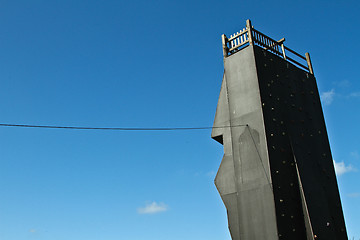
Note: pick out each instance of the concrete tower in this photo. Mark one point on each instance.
(276, 178)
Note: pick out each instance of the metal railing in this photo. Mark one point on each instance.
(251, 36)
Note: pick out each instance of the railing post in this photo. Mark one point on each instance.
(283, 50)
(224, 45)
(281, 41)
(308, 60)
(249, 28)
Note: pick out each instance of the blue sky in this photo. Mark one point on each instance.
(147, 64)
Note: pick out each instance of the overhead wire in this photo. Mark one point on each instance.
(115, 128)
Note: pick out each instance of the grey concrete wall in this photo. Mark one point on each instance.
(244, 180)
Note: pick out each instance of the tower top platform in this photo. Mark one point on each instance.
(250, 36)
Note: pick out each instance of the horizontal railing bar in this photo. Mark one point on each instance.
(292, 60)
(235, 47)
(292, 51)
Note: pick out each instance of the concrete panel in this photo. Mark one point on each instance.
(245, 108)
(245, 165)
(254, 220)
(295, 126)
(222, 114)
(225, 177)
(231, 204)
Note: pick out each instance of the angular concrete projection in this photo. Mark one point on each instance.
(276, 178)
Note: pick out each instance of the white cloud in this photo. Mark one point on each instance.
(354, 195)
(211, 174)
(152, 208)
(328, 97)
(355, 155)
(344, 84)
(355, 94)
(341, 168)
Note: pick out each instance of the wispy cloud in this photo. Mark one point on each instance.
(197, 174)
(211, 173)
(354, 94)
(354, 195)
(32, 230)
(355, 154)
(152, 208)
(343, 83)
(341, 168)
(328, 97)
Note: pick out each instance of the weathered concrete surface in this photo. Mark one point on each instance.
(243, 179)
(276, 178)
